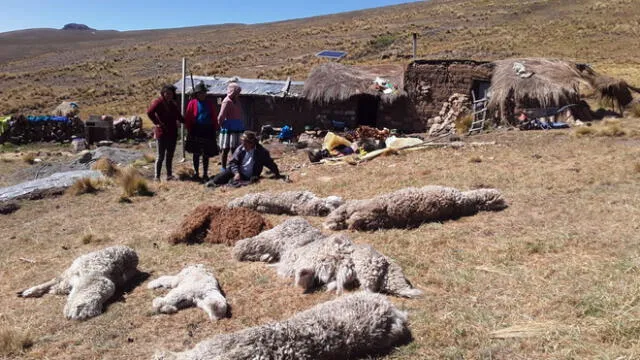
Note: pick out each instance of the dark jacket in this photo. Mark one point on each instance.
(262, 159)
(166, 115)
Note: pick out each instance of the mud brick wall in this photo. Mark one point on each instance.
(430, 83)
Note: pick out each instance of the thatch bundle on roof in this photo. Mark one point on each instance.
(66, 108)
(549, 83)
(334, 82)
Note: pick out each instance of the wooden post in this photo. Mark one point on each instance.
(415, 46)
(182, 103)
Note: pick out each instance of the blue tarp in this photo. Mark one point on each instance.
(48, 118)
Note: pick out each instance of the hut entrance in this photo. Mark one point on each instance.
(480, 88)
(367, 111)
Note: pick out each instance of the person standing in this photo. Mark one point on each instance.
(201, 121)
(230, 122)
(165, 115)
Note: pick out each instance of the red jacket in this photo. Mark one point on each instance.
(192, 113)
(165, 115)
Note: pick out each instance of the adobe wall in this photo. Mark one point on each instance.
(430, 83)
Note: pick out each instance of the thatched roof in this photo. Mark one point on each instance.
(333, 82)
(538, 82)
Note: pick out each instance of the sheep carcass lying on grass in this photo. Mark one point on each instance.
(411, 207)
(218, 225)
(349, 327)
(340, 264)
(288, 202)
(269, 245)
(90, 281)
(193, 286)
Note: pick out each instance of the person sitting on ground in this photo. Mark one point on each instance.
(165, 115)
(201, 120)
(247, 162)
(230, 122)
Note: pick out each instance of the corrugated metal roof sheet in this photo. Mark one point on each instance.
(250, 87)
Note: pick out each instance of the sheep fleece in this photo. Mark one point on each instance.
(411, 207)
(193, 286)
(288, 202)
(352, 326)
(90, 281)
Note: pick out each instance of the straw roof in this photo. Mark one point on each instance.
(538, 82)
(334, 82)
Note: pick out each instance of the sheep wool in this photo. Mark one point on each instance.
(90, 281)
(288, 202)
(353, 326)
(193, 286)
(269, 245)
(411, 207)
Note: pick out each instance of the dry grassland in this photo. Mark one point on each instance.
(554, 276)
(119, 73)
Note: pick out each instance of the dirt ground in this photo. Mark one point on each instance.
(554, 276)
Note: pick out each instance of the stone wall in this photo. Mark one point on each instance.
(430, 84)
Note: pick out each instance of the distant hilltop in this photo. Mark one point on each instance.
(74, 26)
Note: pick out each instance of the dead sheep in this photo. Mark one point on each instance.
(90, 281)
(193, 286)
(218, 225)
(288, 202)
(353, 326)
(339, 264)
(269, 245)
(411, 207)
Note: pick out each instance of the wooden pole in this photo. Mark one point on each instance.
(415, 46)
(182, 103)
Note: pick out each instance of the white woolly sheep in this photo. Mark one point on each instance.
(411, 207)
(269, 245)
(358, 325)
(340, 264)
(90, 281)
(193, 286)
(288, 202)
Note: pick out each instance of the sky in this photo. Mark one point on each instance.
(160, 14)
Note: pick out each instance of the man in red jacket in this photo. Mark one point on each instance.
(165, 115)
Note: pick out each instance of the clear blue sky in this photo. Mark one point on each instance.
(157, 14)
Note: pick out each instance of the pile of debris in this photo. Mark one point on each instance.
(128, 128)
(445, 122)
(25, 129)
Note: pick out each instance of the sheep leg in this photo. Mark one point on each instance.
(39, 290)
(88, 296)
(166, 282)
(176, 299)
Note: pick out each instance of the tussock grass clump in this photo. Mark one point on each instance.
(475, 159)
(29, 158)
(91, 238)
(636, 168)
(149, 158)
(185, 173)
(107, 167)
(463, 123)
(85, 186)
(635, 110)
(133, 184)
(13, 342)
(607, 128)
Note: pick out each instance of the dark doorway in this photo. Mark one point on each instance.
(367, 111)
(480, 88)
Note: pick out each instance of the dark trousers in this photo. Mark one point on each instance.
(166, 148)
(205, 164)
(224, 177)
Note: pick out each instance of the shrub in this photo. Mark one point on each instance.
(107, 167)
(85, 185)
(133, 184)
(29, 158)
(584, 131)
(463, 123)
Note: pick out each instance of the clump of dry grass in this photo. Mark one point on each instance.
(91, 238)
(475, 159)
(29, 158)
(185, 173)
(13, 342)
(106, 166)
(133, 184)
(463, 123)
(85, 185)
(607, 128)
(149, 158)
(635, 110)
(636, 168)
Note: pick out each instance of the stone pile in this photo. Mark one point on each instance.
(128, 128)
(445, 122)
(23, 130)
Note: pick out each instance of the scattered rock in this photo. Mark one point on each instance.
(8, 207)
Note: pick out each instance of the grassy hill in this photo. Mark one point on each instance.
(119, 72)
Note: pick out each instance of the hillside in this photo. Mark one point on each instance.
(119, 72)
